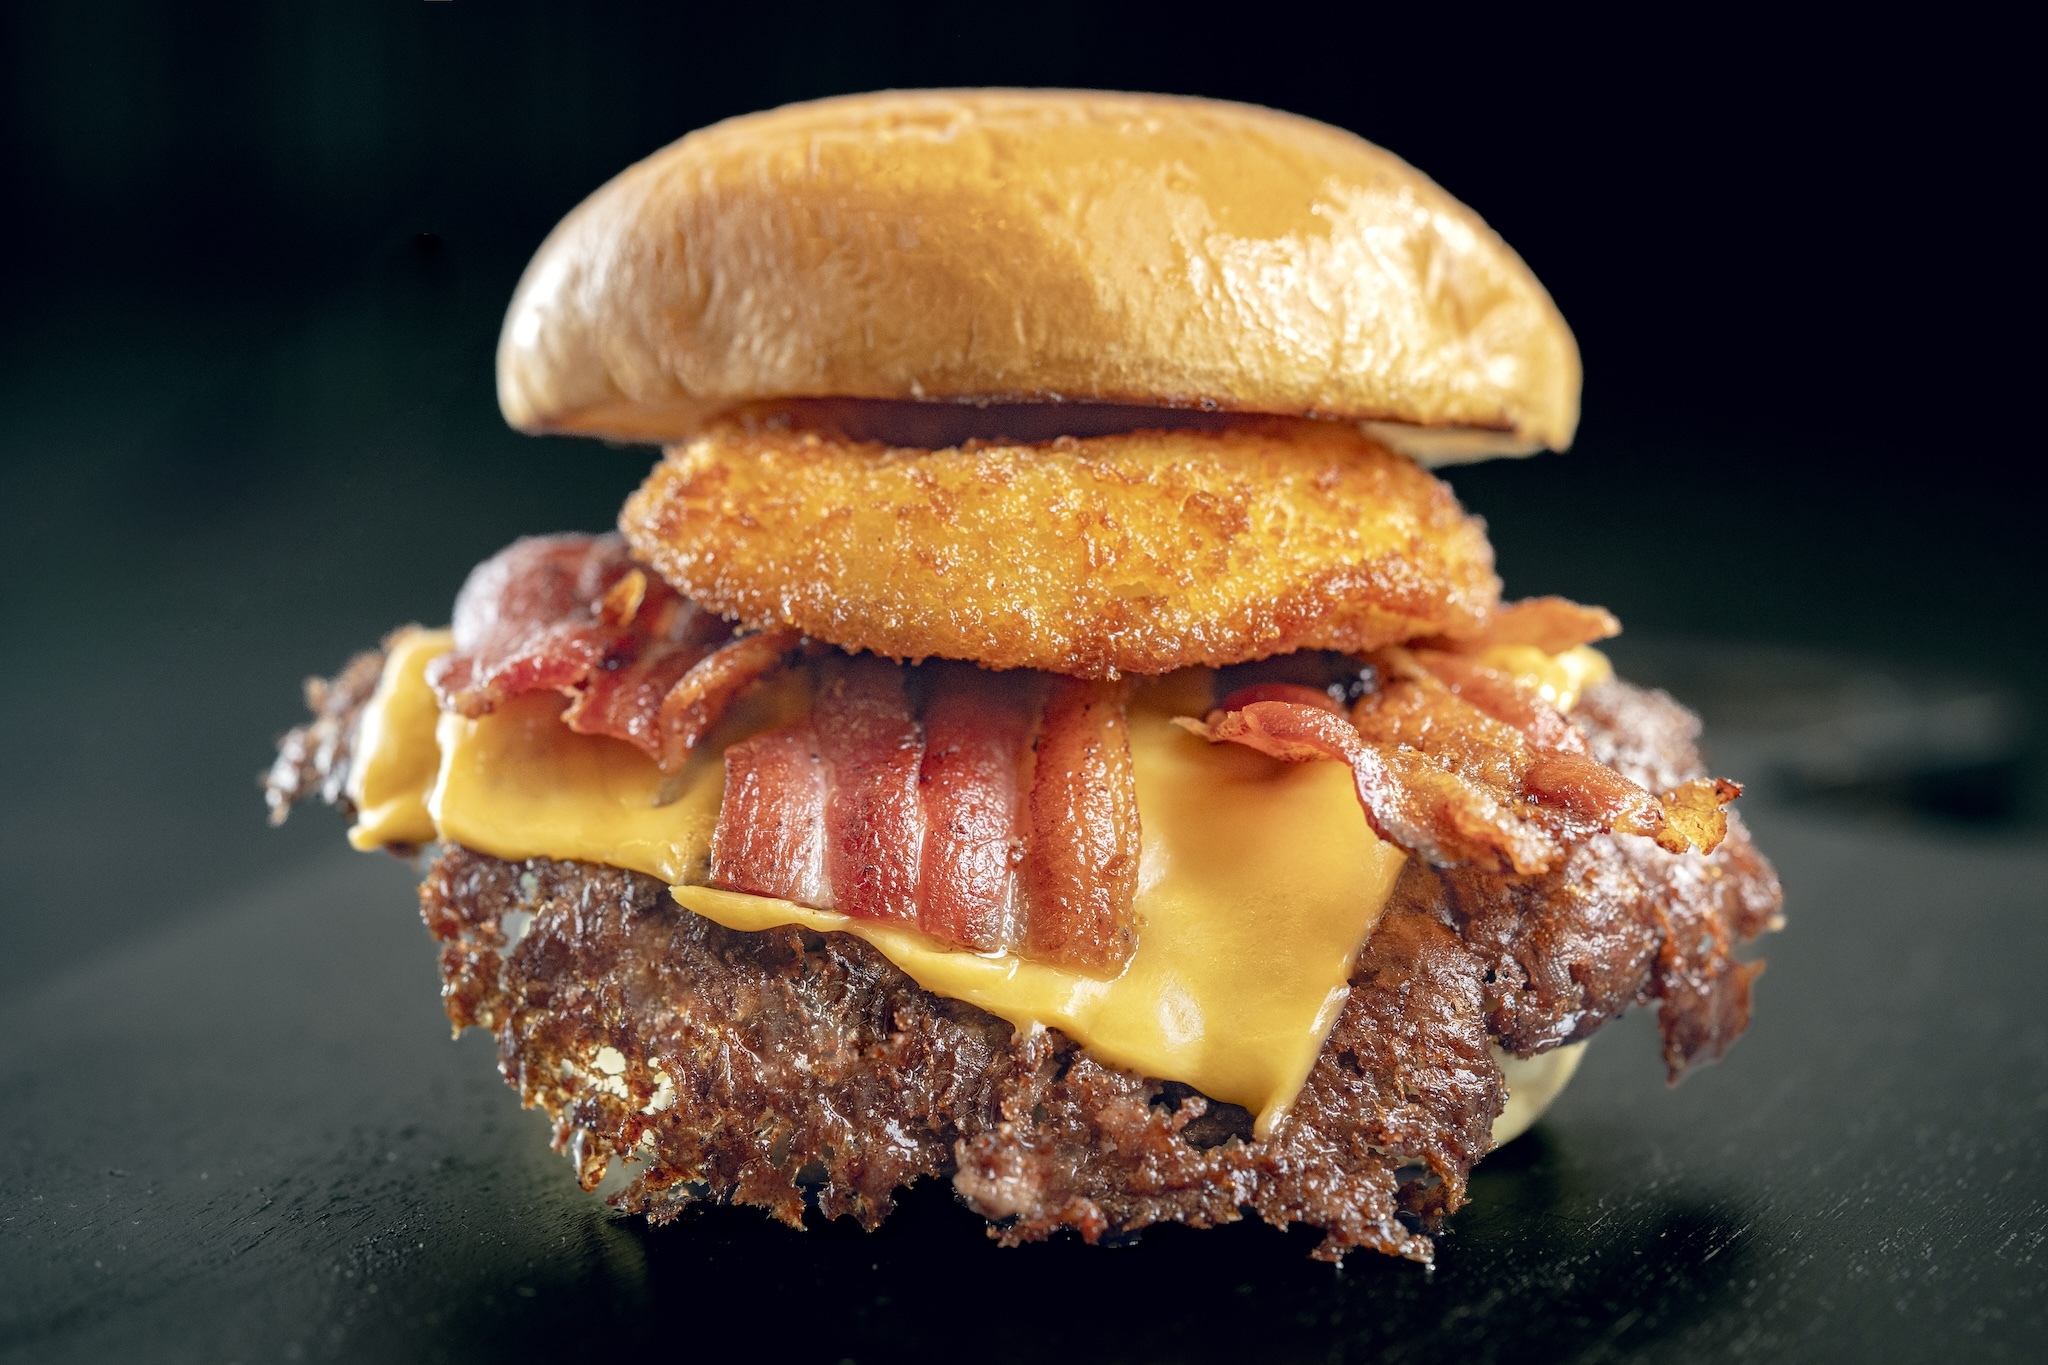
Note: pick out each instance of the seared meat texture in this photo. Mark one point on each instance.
(312, 759)
(784, 1067)
(760, 1068)
(756, 1067)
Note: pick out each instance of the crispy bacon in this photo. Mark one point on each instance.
(874, 822)
(1487, 728)
(976, 756)
(1551, 624)
(945, 814)
(1502, 697)
(1464, 765)
(574, 614)
(1299, 693)
(528, 619)
(622, 697)
(1409, 801)
(770, 838)
(1082, 868)
(698, 699)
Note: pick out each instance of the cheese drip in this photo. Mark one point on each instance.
(1258, 882)
(396, 756)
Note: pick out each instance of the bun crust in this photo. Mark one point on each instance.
(1036, 246)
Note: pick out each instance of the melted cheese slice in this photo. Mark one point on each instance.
(396, 757)
(1561, 678)
(1258, 880)
(518, 783)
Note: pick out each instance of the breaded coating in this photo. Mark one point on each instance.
(1136, 553)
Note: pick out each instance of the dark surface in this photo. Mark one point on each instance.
(246, 1138)
(246, 425)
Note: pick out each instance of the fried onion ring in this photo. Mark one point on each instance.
(1135, 553)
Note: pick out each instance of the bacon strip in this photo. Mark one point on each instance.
(1298, 693)
(1502, 697)
(952, 820)
(524, 621)
(1082, 868)
(1551, 624)
(945, 820)
(574, 614)
(622, 696)
(977, 749)
(873, 749)
(1463, 765)
(770, 838)
(1491, 730)
(696, 702)
(1409, 801)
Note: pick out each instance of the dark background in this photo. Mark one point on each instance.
(259, 253)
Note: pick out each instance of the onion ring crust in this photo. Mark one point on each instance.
(1135, 553)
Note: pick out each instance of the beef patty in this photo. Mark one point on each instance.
(783, 1067)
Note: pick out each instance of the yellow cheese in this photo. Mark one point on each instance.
(1258, 880)
(517, 783)
(1561, 678)
(395, 753)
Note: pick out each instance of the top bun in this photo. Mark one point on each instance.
(1006, 246)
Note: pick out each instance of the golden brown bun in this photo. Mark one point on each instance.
(1137, 553)
(1039, 246)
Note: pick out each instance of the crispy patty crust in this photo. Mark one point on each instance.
(1136, 553)
(787, 1067)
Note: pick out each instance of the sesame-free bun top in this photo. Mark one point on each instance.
(1028, 246)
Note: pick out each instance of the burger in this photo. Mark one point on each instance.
(1040, 726)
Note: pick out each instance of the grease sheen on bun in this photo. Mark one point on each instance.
(1036, 246)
